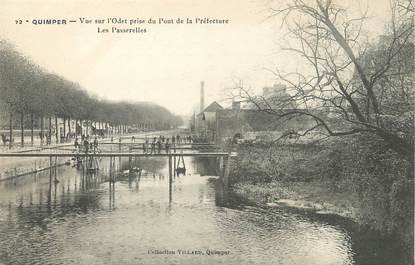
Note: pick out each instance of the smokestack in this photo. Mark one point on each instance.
(202, 96)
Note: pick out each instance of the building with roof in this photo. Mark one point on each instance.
(215, 123)
(205, 122)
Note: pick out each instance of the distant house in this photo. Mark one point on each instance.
(249, 123)
(205, 121)
(275, 96)
(216, 123)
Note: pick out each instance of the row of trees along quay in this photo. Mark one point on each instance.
(34, 98)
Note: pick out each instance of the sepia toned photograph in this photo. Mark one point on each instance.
(237, 132)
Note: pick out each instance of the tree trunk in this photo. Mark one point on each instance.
(64, 129)
(41, 130)
(80, 126)
(87, 128)
(56, 129)
(22, 129)
(31, 128)
(49, 138)
(69, 126)
(76, 128)
(11, 131)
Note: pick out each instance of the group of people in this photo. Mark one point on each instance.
(158, 143)
(163, 142)
(48, 137)
(187, 139)
(86, 144)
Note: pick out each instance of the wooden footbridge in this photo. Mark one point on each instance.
(87, 158)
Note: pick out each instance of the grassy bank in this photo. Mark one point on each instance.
(306, 195)
(357, 178)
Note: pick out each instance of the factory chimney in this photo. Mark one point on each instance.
(202, 96)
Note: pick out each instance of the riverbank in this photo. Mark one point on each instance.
(355, 178)
(314, 201)
(313, 196)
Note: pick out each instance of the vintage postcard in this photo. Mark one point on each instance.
(207, 132)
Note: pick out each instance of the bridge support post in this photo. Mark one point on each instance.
(170, 178)
(111, 170)
(55, 169)
(50, 179)
(119, 151)
(111, 183)
(174, 166)
(110, 180)
(226, 173)
(221, 165)
(129, 160)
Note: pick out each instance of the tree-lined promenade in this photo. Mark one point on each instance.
(53, 108)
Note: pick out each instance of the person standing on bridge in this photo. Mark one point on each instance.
(48, 138)
(153, 146)
(173, 143)
(95, 144)
(4, 138)
(167, 146)
(145, 146)
(86, 145)
(76, 144)
(159, 146)
(41, 136)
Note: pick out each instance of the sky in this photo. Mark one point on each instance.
(166, 64)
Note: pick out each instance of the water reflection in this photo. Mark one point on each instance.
(89, 219)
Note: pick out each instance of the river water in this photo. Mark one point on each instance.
(89, 221)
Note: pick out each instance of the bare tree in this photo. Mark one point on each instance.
(351, 85)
